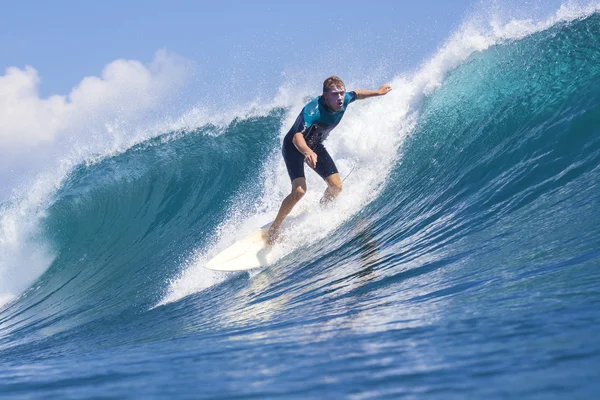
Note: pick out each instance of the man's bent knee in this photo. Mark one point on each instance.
(334, 184)
(298, 193)
(298, 188)
(335, 187)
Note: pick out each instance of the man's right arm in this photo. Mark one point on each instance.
(309, 155)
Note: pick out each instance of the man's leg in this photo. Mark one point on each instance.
(334, 187)
(298, 191)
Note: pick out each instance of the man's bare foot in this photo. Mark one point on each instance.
(271, 236)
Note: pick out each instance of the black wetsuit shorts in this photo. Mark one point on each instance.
(294, 161)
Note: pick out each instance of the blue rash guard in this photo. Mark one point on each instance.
(315, 122)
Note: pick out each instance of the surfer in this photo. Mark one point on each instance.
(304, 144)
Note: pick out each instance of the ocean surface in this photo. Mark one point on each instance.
(462, 259)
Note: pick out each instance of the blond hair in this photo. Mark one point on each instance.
(331, 82)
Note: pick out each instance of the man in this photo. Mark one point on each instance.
(304, 143)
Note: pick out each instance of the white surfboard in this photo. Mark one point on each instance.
(249, 252)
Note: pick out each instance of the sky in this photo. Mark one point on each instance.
(249, 43)
(80, 68)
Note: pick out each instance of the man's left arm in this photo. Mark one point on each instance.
(364, 94)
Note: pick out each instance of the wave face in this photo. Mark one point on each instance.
(469, 268)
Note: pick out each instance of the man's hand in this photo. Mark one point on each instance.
(384, 89)
(311, 159)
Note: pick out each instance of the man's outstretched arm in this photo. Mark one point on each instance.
(363, 94)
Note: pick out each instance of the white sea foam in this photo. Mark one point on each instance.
(24, 254)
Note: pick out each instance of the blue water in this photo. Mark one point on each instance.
(474, 271)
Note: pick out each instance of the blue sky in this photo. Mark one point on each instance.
(250, 43)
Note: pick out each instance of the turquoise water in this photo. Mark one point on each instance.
(472, 270)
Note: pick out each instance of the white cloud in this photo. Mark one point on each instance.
(24, 117)
(124, 90)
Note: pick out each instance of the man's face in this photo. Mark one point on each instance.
(334, 97)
